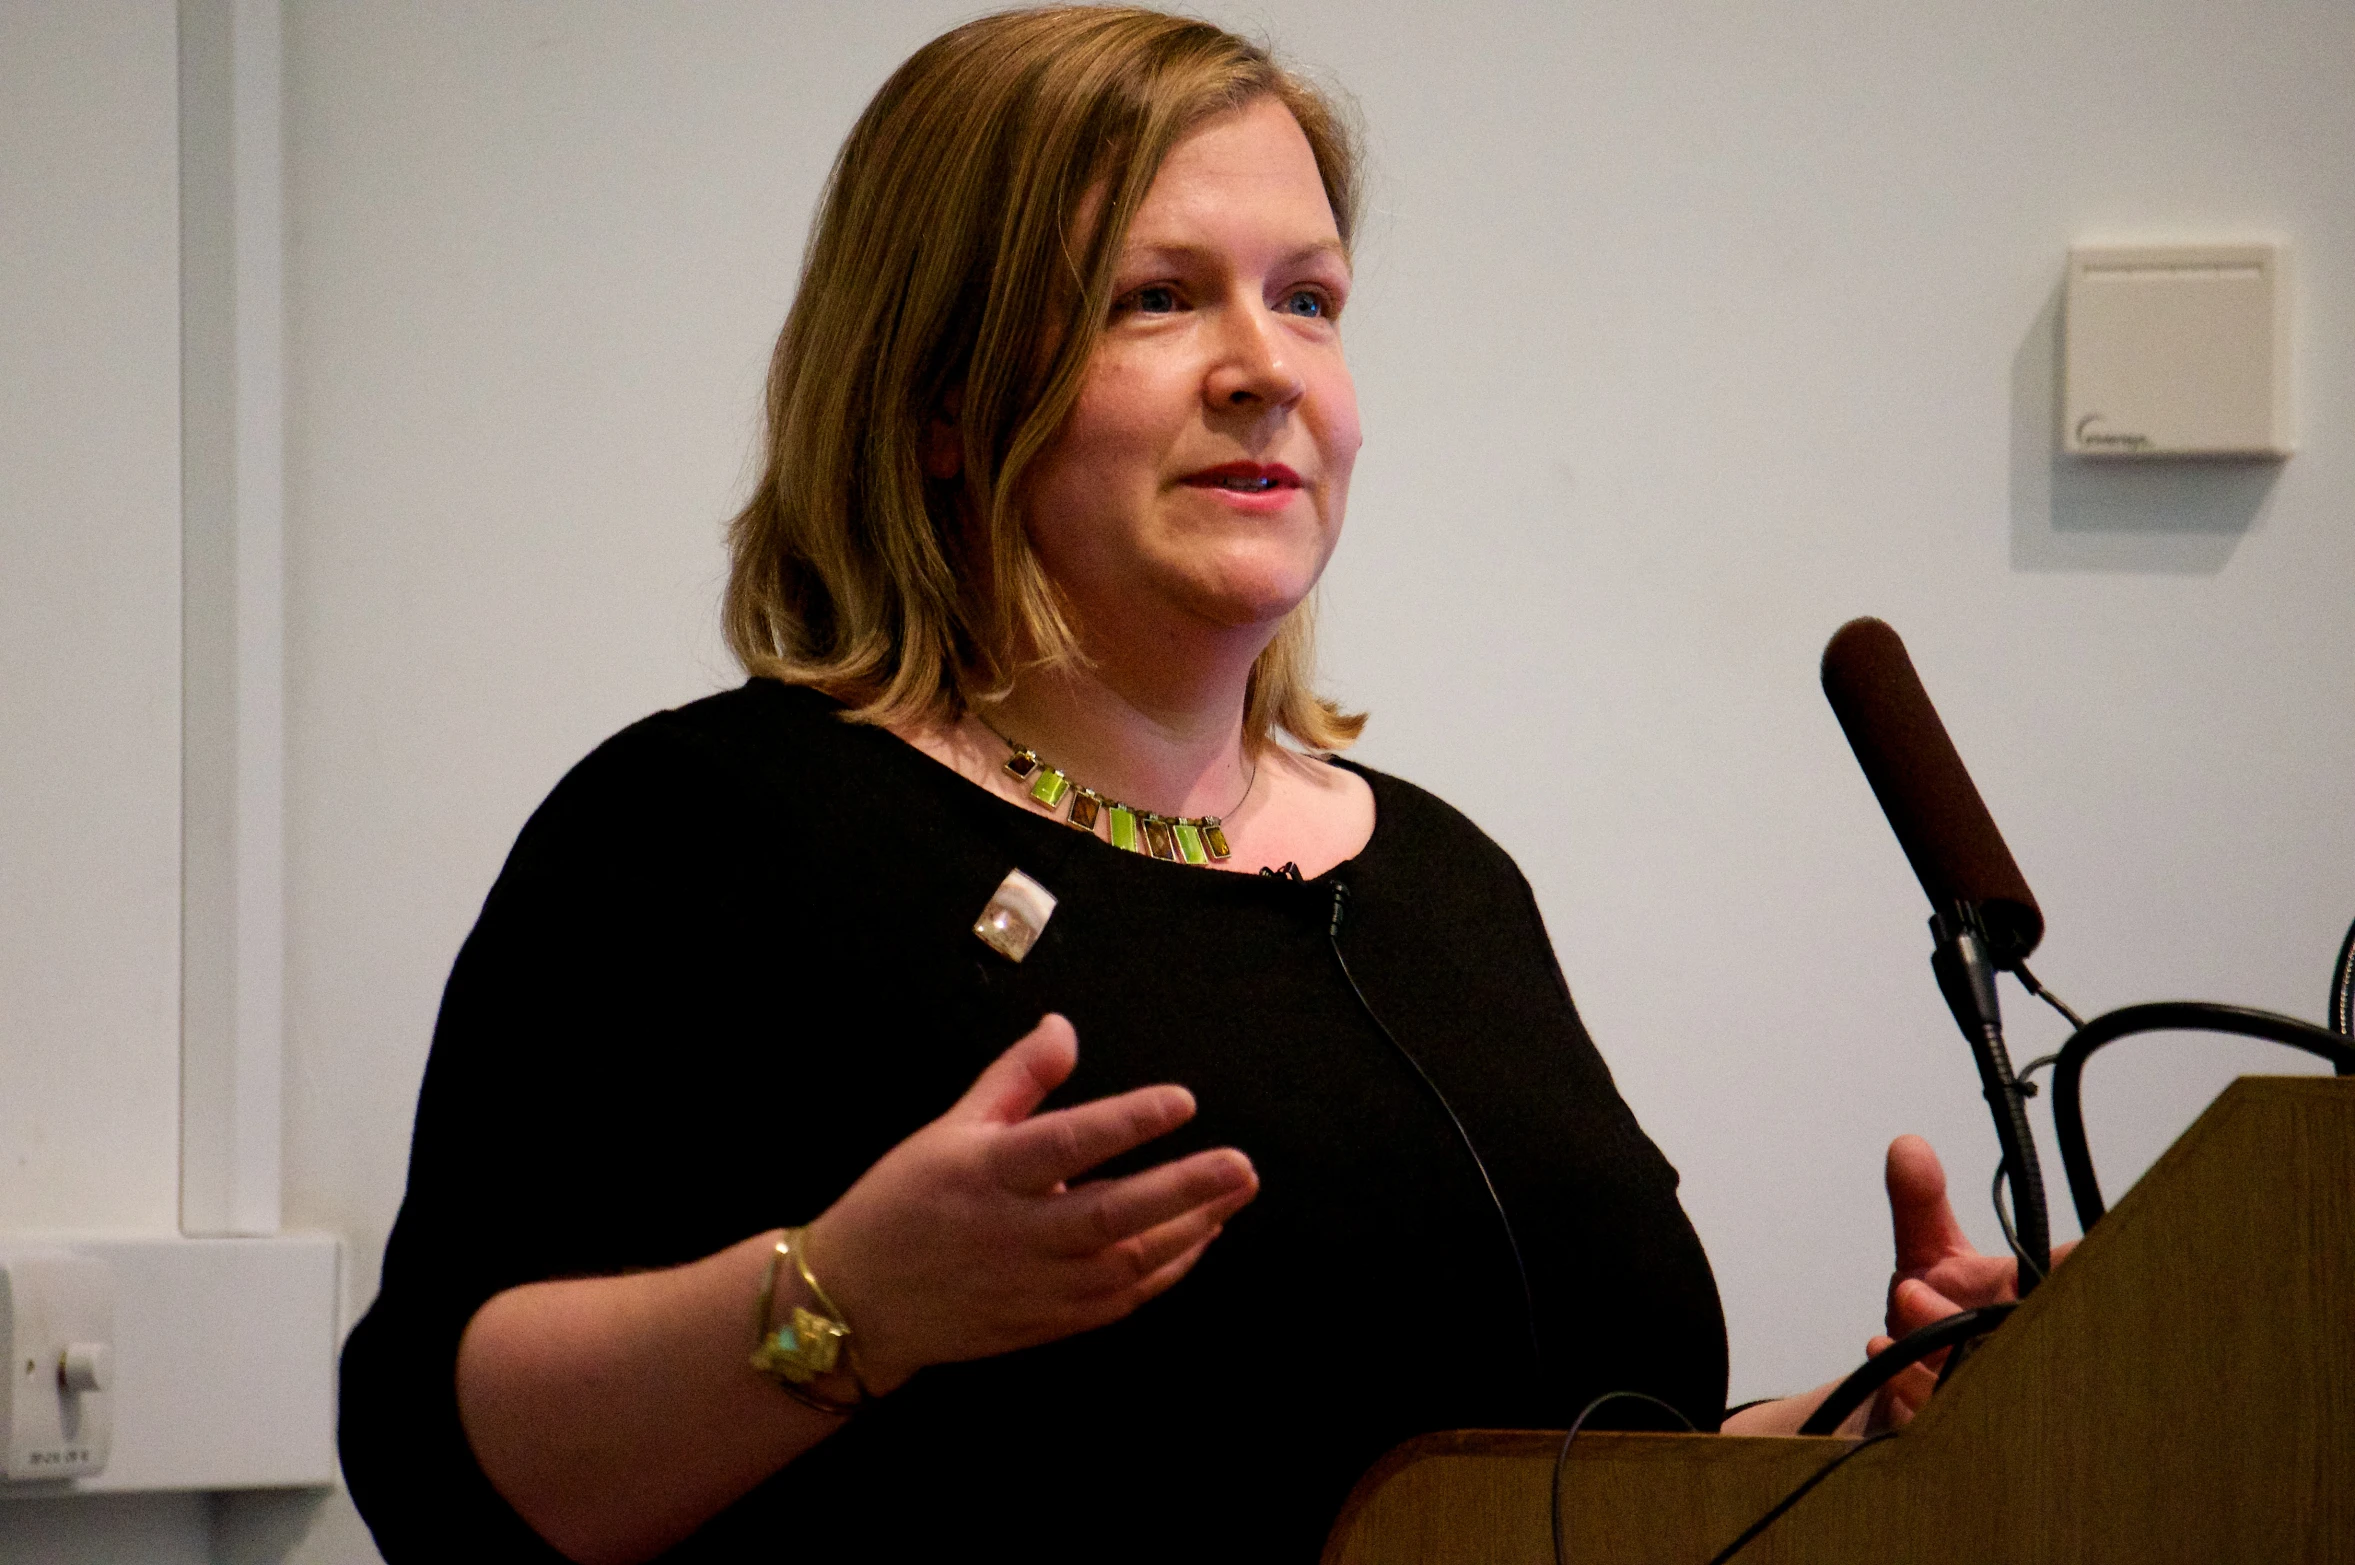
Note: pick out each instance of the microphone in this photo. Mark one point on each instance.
(1940, 820)
(1983, 916)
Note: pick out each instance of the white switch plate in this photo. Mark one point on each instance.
(2176, 351)
(224, 1361)
(54, 1304)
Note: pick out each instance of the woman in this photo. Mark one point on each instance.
(1061, 436)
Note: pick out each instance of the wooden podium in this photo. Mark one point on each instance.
(2182, 1389)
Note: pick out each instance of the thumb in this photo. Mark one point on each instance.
(1921, 1220)
(1014, 1083)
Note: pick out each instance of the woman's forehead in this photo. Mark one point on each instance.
(1249, 165)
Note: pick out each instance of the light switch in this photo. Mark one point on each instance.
(57, 1325)
(2176, 351)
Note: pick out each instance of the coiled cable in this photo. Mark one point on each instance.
(2068, 1113)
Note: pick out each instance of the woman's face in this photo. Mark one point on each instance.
(1204, 468)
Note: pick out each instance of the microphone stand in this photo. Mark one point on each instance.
(1966, 970)
(1966, 977)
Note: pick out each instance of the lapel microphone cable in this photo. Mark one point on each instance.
(1504, 1221)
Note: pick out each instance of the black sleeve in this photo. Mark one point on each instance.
(549, 1140)
(1457, 959)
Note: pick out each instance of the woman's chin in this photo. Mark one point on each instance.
(1246, 587)
(1257, 606)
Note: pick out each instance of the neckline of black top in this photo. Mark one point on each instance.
(932, 775)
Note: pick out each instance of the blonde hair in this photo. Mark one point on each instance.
(944, 260)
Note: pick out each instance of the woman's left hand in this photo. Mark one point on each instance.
(1938, 1273)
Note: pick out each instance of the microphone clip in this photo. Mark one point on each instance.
(1965, 969)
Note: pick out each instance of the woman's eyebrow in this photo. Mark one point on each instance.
(1321, 249)
(1180, 253)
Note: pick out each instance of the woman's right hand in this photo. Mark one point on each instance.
(970, 1238)
(618, 1414)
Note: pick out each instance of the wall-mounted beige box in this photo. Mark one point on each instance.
(2176, 351)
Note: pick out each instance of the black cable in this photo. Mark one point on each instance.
(1955, 1358)
(1562, 1457)
(2003, 1216)
(1512, 1241)
(2025, 1074)
(2028, 982)
(2342, 988)
(1795, 1496)
(2068, 1112)
(1956, 1331)
(1901, 1355)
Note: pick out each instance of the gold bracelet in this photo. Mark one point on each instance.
(808, 1344)
(809, 1280)
(814, 1402)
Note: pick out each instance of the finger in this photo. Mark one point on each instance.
(1920, 1218)
(1974, 1280)
(1119, 1268)
(1916, 1304)
(1877, 1346)
(1031, 1158)
(1081, 1295)
(1906, 1394)
(1104, 1213)
(1124, 1265)
(1104, 1308)
(1165, 1275)
(1014, 1083)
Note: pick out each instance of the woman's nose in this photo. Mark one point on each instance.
(1253, 368)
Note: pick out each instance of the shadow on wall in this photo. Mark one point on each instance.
(263, 1526)
(2078, 514)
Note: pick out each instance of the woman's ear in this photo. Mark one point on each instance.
(944, 441)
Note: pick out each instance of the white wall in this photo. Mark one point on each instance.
(89, 617)
(90, 668)
(1695, 330)
(1684, 332)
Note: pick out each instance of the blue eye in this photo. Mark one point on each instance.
(1158, 299)
(1307, 303)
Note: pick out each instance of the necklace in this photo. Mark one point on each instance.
(1189, 839)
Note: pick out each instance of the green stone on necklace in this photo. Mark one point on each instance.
(1124, 828)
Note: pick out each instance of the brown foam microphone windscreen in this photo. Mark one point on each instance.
(1932, 805)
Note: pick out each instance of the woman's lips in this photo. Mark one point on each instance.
(1268, 481)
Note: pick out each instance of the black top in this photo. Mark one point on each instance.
(730, 962)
